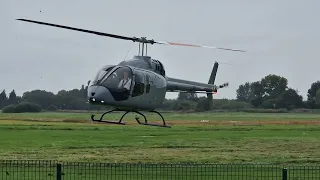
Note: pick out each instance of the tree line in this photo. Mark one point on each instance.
(74, 99)
(271, 92)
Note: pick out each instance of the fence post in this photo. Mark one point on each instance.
(59, 170)
(284, 174)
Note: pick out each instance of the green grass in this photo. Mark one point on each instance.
(231, 142)
(282, 138)
(232, 116)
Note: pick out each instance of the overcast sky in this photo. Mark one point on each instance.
(281, 37)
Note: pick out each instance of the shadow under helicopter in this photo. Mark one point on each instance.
(124, 87)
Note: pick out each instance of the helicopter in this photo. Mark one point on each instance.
(140, 83)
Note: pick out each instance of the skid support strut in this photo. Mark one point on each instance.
(137, 119)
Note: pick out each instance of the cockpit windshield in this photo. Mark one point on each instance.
(118, 80)
(101, 73)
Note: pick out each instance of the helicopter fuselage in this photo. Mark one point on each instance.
(144, 89)
(138, 84)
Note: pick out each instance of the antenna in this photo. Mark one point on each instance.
(126, 55)
(128, 52)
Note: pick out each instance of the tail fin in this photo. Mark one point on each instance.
(211, 81)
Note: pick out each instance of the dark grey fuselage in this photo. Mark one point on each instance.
(148, 88)
(151, 95)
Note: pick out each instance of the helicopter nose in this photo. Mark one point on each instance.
(99, 95)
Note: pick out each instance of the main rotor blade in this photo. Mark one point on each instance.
(195, 45)
(134, 39)
(81, 30)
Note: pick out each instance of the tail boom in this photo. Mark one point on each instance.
(174, 84)
(179, 85)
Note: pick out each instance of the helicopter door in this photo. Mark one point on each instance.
(139, 84)
(147, 83)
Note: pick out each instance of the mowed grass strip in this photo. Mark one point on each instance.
(203, 142)
(172, 118)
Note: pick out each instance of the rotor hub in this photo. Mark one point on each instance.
(143, 40)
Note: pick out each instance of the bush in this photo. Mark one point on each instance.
(184, 105)
(9, 109)
(22, 107)
(265, 110)
(27, 107)
(52, 108)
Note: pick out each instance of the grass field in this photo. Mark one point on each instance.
(202, 138)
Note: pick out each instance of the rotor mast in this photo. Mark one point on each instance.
(143, 45)
(143, 49)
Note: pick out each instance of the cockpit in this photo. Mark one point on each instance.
(117, 80)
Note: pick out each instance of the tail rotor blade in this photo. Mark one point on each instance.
(219, 87)
(223, 85)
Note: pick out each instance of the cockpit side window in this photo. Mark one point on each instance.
(139, 85)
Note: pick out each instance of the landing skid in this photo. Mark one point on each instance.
(126, 112)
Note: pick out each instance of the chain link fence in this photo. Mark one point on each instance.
(53, 170)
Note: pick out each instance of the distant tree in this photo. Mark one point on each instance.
(317, 100)
(312, 93)
(257, 94)
(3, 99)
(167, 104)
(184, 105)
(202, 104)
(187, 96)
(273, 85)
(289, 99)
(13, 98)
(244, 92)
(75, 99)
(313, 90)
(265, 93)
(83, 91)
(41, 97)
